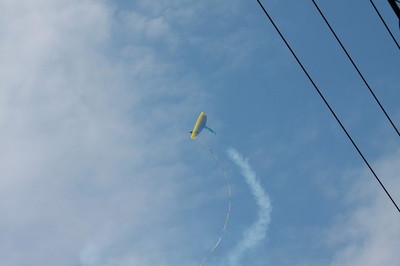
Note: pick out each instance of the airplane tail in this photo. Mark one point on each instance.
(209, 129)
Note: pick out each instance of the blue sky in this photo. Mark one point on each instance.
(98, 97)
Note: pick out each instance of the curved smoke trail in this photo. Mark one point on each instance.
(257, 231)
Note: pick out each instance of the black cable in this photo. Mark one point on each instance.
(327, 105)
(384, 23)
(395, 7)
(355, 66)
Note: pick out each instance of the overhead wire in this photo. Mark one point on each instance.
(356, 68)
(384, 23)
(395, 7)
(327, 104)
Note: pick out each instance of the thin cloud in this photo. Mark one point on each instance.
(81, 152)
(369, 233)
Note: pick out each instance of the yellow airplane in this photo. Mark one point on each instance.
(200, 125)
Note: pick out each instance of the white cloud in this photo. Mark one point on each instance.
(369, 234)
(89, 168)
(142, 27)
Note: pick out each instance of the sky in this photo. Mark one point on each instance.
(97, 99)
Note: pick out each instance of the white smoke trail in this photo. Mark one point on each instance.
(257, 231)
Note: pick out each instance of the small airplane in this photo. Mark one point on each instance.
(200, 125)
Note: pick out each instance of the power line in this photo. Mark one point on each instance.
(395, 7)
(327, 105)
(355, 66)
(384, 23)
